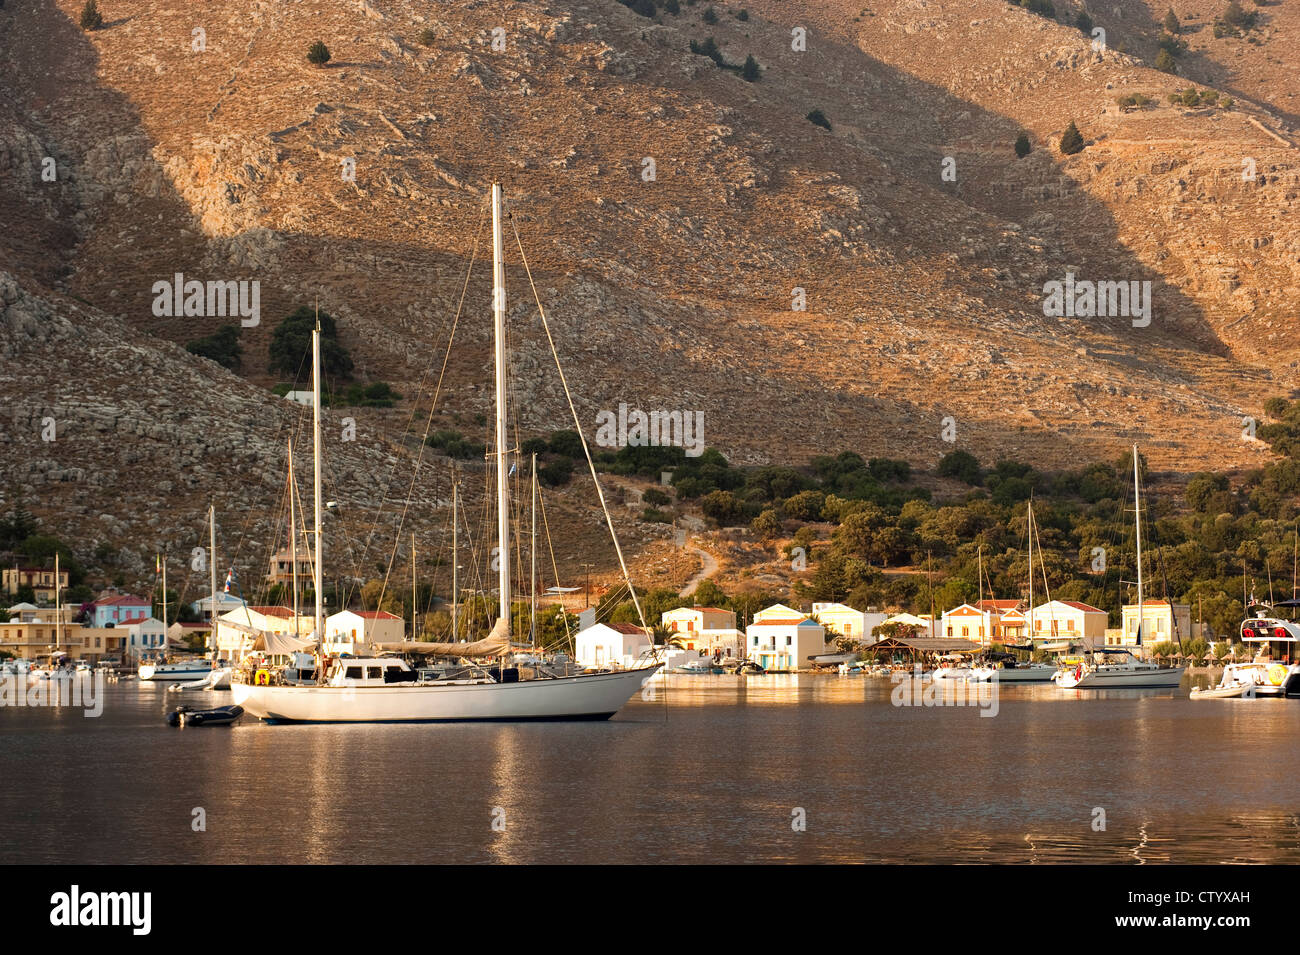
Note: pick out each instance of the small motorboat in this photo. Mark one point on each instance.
(1230, 692)
(220, 716)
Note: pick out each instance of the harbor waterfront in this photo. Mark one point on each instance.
(712, 768)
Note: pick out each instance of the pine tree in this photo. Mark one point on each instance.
(1084, 23)
(750, 70)
(1071, 140)
(90, 17)
(318, 53)
(1023, 148)
(1171, 22)
(1165, 63)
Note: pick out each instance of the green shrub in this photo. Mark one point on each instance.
(428, 37)
(1023, 148)
(318, 53)
(222, 346)
(750, 70)
(710, 15)
(1071, 140)
(818, 118)
(90, 16)
(1165, 63)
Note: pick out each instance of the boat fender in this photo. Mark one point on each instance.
(1276, 674)
(262, 678)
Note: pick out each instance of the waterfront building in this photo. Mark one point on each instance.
(842, 620)
(281, 567)
(117, 609)
(1161, 622)
(350, 631)
(781, 638)
(707, 630)
(1069, 621)
(146, 638)
(225, 603)
(611, 644)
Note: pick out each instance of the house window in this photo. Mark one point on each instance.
(756, 641)
(787, 641)
(965, 631)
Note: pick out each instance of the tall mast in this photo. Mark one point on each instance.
(58, 606)
(1029, 530)
(499, 322)
(532, 556)
(455, 558)
(414, 608)
(1137, 516)
(293, 539)
(315, 457)
(212, 579)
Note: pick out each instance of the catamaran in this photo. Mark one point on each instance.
(1131, 673)
(388, 689)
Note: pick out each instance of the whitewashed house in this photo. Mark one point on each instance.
(843, 620)
(146, 638)
(611, 644)
(709, 631)
(781, 638)
(1062, 621)
(225, 603)
(350, 631)
(238, 630)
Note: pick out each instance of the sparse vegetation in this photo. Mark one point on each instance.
(1171, 23)
(290, 348)
(750, 70)
(1235, 21)
(1134, 101)
(710, 16)
(1084, 23)
(818, 118)
(91, 19)
(222, 346)
(455, 445)
(428, 37)
(1023, 148)
(318, 53)
(1071, 140)
(1165, 63)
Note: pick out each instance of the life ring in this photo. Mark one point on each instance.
(1078, 673)
(262, 678)
(1276, 674)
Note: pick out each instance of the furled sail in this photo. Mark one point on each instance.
(494, 644)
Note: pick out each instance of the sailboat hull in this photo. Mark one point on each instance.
(1121, 676)
(596, 696)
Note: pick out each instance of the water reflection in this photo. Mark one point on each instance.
(712, 769)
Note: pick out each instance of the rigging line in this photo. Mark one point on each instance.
(433, 404)
(577, 424)
(550, 546)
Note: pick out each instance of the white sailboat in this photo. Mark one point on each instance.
(1132, 673)
(386, 689)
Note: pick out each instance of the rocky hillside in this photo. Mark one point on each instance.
(197, 138)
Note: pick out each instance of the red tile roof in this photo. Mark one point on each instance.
(272, 611)
(377, 615)
(1086, 608)
(788, 622)
(630, 629)
(132, 620)
(123, 599)
(998, 604)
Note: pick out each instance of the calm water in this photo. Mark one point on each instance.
(708, 772)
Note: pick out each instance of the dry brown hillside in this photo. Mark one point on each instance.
(924, 295)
